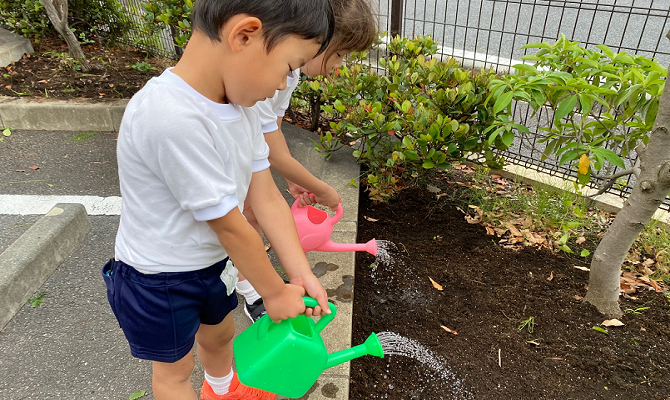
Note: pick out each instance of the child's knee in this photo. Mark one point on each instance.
(176, 372)
(214, 338)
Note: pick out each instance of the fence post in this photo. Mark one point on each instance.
(396, 17)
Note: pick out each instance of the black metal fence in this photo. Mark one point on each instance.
(490, 34)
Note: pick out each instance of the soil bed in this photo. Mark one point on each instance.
(50, 73)
(488, 293)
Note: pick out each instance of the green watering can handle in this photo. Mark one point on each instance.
(265, 322)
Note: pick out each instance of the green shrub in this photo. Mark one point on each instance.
(420, 115)
(92, 18)
(174, 15)
(604, 103)
(25, 17)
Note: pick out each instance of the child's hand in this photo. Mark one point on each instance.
(296, 190)
(328, 197)
(315, 290)
(287, 303)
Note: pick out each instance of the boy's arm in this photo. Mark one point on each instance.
(275, 218)
(246, 249)
(281, 160)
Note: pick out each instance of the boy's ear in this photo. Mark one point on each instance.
(244, 31)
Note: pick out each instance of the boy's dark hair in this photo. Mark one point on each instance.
(355, 27)
(308, 19)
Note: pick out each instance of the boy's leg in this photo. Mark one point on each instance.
(172, 381)
(215, 346)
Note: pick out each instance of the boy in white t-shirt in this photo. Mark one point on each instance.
(354, 31)
(190, 155)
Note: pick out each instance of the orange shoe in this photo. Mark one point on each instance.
(237, 391)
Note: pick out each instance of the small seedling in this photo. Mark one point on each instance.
(636, 311)
(35, 301)
(585, 253)
(528, 324)
(142, 66)
(599, 329)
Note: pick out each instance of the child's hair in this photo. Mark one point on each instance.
(355, 27)
(308, 19)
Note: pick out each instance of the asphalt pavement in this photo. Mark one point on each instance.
(70, 345)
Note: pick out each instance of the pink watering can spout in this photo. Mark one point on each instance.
(315, 228)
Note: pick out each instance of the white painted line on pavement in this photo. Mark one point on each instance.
(37, 204)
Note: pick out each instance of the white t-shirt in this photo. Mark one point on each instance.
(275, 107)
(183, 159)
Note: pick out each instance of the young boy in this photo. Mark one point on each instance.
(190, 153)
(354, 31)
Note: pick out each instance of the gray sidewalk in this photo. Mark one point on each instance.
(71, 346)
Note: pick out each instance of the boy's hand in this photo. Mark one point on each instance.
(285, 304)
(315, 290)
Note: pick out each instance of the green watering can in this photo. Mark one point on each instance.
(288, 357)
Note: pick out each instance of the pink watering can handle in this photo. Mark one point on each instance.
(333, 220)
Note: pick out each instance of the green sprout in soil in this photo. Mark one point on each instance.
(527, 324)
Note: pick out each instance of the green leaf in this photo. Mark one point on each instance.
(610, 156)
(428, 164)
(502, 102)
(585, 253)
(566, 106)
(599, 329)
(136, 395)
(507, 138)
(606, 50)
(410, 154)
(525, 67)
(7, 132)
(568, 156)
(566, 249)
(406, 105)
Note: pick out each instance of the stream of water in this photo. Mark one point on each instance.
(436, 366)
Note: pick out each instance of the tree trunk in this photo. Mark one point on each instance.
(651, 188)
(315, 112)
(57, 13)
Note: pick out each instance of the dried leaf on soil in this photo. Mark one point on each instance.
(580, 240)
(449, 330)
(551, 276)
(370, 219)
(582, 268)
(435, 284)
(612, 322)
(34, 167)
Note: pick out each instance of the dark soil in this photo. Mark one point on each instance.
(50, 73)
(488, 292)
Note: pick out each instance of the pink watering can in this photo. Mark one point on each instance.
(315, 228)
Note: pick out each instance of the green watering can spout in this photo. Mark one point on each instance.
(372, 346)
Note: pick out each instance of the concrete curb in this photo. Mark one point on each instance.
(36, 254)
(13, 47)
(67, 115)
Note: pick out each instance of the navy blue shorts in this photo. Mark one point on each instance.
(160, 313)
